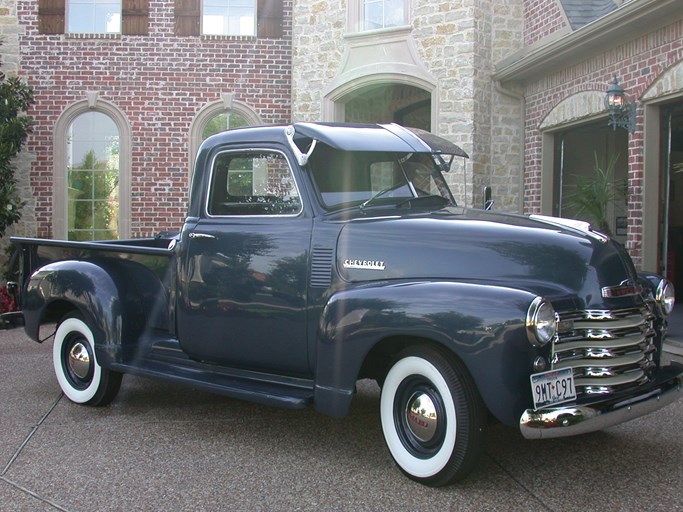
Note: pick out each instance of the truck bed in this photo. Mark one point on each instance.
(142, 268)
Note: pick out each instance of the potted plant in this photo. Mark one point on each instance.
(592, 195)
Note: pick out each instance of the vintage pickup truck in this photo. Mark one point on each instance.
(315, 255)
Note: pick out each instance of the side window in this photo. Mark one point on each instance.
(383, 13)
(129, 17)
(93, 16)
(229, 17)
(377, 14)
(261, 18)
(253, 183)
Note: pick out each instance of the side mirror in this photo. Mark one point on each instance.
(488, 202)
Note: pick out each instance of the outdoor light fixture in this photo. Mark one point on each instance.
(621, 113)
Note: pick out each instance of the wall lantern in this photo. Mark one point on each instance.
(621, 113)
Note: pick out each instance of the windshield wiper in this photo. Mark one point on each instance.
(380, 194)
(425, 201)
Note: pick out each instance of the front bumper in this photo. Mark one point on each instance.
(570, 420)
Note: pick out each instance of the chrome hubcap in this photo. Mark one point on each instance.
(421, 416)
(79, 360)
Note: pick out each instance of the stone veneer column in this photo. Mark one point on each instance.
(457, 42)
(10, 56)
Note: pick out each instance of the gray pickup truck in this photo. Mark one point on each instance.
(315, 255)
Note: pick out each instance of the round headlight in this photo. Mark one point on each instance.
(666, 296)
(541, 322)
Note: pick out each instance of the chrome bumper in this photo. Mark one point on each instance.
(572, 420)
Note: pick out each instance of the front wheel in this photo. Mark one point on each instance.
(79, 375)
(432, 416)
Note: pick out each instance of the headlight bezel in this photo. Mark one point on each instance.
(665, 295)
(541, 322)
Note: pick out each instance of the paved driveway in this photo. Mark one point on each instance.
(161, 447)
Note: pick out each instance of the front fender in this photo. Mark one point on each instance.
(482, 325)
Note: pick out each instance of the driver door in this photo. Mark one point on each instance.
(245, 265)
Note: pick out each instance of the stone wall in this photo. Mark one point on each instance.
(9, 36)
(457, 43)
(10, 30)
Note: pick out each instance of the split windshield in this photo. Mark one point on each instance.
(347, 179)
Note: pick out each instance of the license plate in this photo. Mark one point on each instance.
(553, 387)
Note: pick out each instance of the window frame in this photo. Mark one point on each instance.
(93, 4)
(59, 171)
(206, 113)
(227, 8)
(134, 18)
(356, 17)
(92, 175)
(270, 19)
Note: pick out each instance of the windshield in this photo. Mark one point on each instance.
(346, 179)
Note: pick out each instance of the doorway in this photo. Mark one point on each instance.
(403, 104)
(579, 153)
(671, 195)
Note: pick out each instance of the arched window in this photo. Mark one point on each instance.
(91, 172)
(223, 121)
(218, 116)
(92, 178)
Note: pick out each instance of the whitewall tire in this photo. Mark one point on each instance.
(80, 376)
(432, 416)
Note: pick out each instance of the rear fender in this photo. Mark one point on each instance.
(484, 326)
(109, 296)
(82, 285)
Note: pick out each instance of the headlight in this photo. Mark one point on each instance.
(541, 322)
(666, 296)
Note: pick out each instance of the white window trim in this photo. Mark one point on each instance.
(355, 21)
(59, 186)
(67, 16)
(201, 21)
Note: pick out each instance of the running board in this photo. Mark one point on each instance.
(260, 388)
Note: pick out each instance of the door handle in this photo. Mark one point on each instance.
(202, 235)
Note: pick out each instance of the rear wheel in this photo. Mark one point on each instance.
(432, 416)
(79, 375)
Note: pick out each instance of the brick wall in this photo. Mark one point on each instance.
(160, 82)
(638, 64)
(541, 19)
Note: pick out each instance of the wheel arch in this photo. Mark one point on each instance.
(363, 329)
(379, 358)
(61, 288)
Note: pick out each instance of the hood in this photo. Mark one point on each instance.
(477, 246)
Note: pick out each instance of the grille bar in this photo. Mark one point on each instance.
(609, 350)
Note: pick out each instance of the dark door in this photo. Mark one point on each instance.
(672, 195)
(582, 154)
(244, 267)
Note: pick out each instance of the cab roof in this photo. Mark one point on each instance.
(376, 137)
(343, 137)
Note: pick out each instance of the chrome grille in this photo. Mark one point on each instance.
(609, 350)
